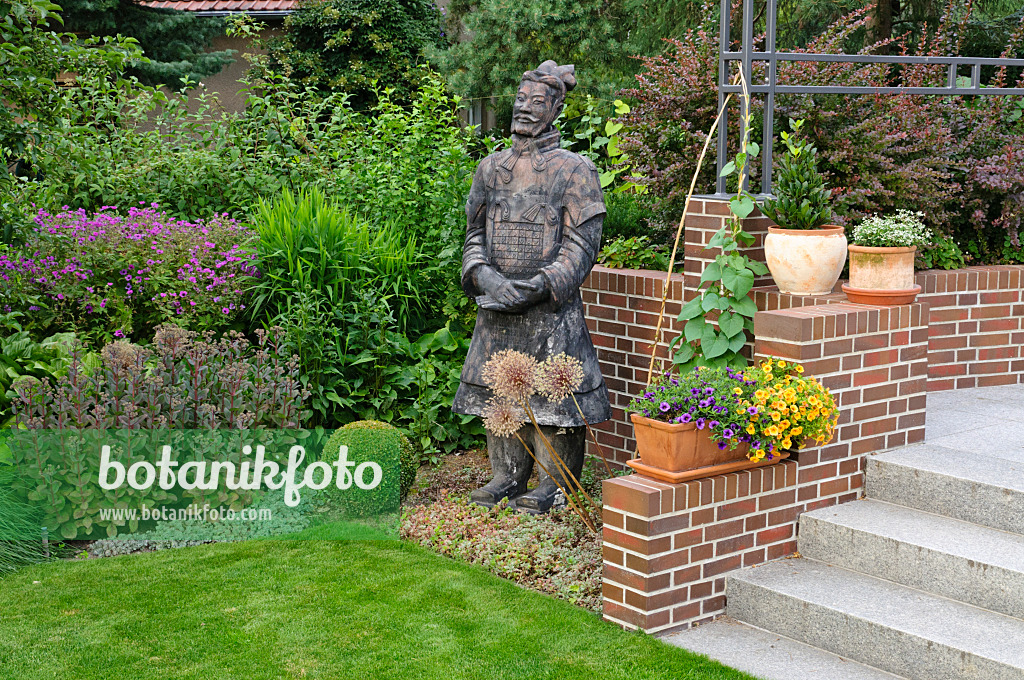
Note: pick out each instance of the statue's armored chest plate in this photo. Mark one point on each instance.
(523, 224)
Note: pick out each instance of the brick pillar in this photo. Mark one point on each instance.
(667, 546)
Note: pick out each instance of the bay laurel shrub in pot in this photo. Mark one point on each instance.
(804, 253)
(712, 421)
(882, 259)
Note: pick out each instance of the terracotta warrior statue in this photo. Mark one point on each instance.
(534, 219)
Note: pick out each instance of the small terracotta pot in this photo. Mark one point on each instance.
(678, 452)
(805, 261)
(881, 276)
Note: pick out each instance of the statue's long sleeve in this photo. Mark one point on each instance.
(581, 237)
(474, 252)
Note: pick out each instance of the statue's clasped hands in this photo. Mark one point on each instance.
(509, 295)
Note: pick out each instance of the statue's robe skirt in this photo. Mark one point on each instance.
(535, 209)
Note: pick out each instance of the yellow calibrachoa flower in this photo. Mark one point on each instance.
(793, 406)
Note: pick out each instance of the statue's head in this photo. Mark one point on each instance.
(541, 97)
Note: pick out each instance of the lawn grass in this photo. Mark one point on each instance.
(309, 609)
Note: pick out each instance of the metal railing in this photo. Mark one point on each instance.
(746, 57)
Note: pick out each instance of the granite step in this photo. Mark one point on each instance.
(959, 560)
(769, 656)
(972, 487)
(900, 630)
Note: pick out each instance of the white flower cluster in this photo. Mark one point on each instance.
(902, 230)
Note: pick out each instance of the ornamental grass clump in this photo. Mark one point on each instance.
(902, 230)
(771, 407)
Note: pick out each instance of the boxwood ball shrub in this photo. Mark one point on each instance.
(382, 445)
(409, 458)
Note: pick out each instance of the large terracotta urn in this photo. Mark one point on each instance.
(881, 276)
(679, 452)
(805, 261)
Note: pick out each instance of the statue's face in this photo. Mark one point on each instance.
(534, 110)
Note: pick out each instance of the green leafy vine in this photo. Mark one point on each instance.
(720, 316)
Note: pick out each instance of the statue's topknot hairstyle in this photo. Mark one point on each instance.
(561, 79)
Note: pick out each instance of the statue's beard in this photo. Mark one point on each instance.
(527, 128)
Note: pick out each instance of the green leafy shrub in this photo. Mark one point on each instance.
(409, 458)
(382, 445)
(555, 553)
(629, 214)
(352, 45)
(802, 201)
(358, 365)
(942, 253)
(632, 253)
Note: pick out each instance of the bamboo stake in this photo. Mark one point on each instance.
(557, 458)
(600, 449)
(569, 499)
(679, 231)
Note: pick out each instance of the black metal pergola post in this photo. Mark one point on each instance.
(746, 56)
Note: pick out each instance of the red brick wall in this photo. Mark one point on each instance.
(663, 559)
(976, 330)
(667, 547)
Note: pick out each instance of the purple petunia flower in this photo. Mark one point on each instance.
(728, 434)
(752, 410)
(700, 423)
(721, 446)
(685, 418)
(664, 407)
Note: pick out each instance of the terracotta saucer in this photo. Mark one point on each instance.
(881, 297)
(663, 475)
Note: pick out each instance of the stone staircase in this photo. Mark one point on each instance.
(924, 578)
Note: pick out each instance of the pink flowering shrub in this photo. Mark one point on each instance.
(108, 275)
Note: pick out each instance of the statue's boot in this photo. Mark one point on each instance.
(511, 465)
(570, 445)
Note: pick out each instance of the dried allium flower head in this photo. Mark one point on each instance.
(511, 374)
(559, 376)
(502, 418)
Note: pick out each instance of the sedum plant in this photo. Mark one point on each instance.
(902, 230)
(802, 201)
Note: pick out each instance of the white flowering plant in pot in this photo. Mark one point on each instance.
(882, 258)
(905, 229)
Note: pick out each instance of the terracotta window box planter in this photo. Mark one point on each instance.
(679, 452)
(881, 276)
